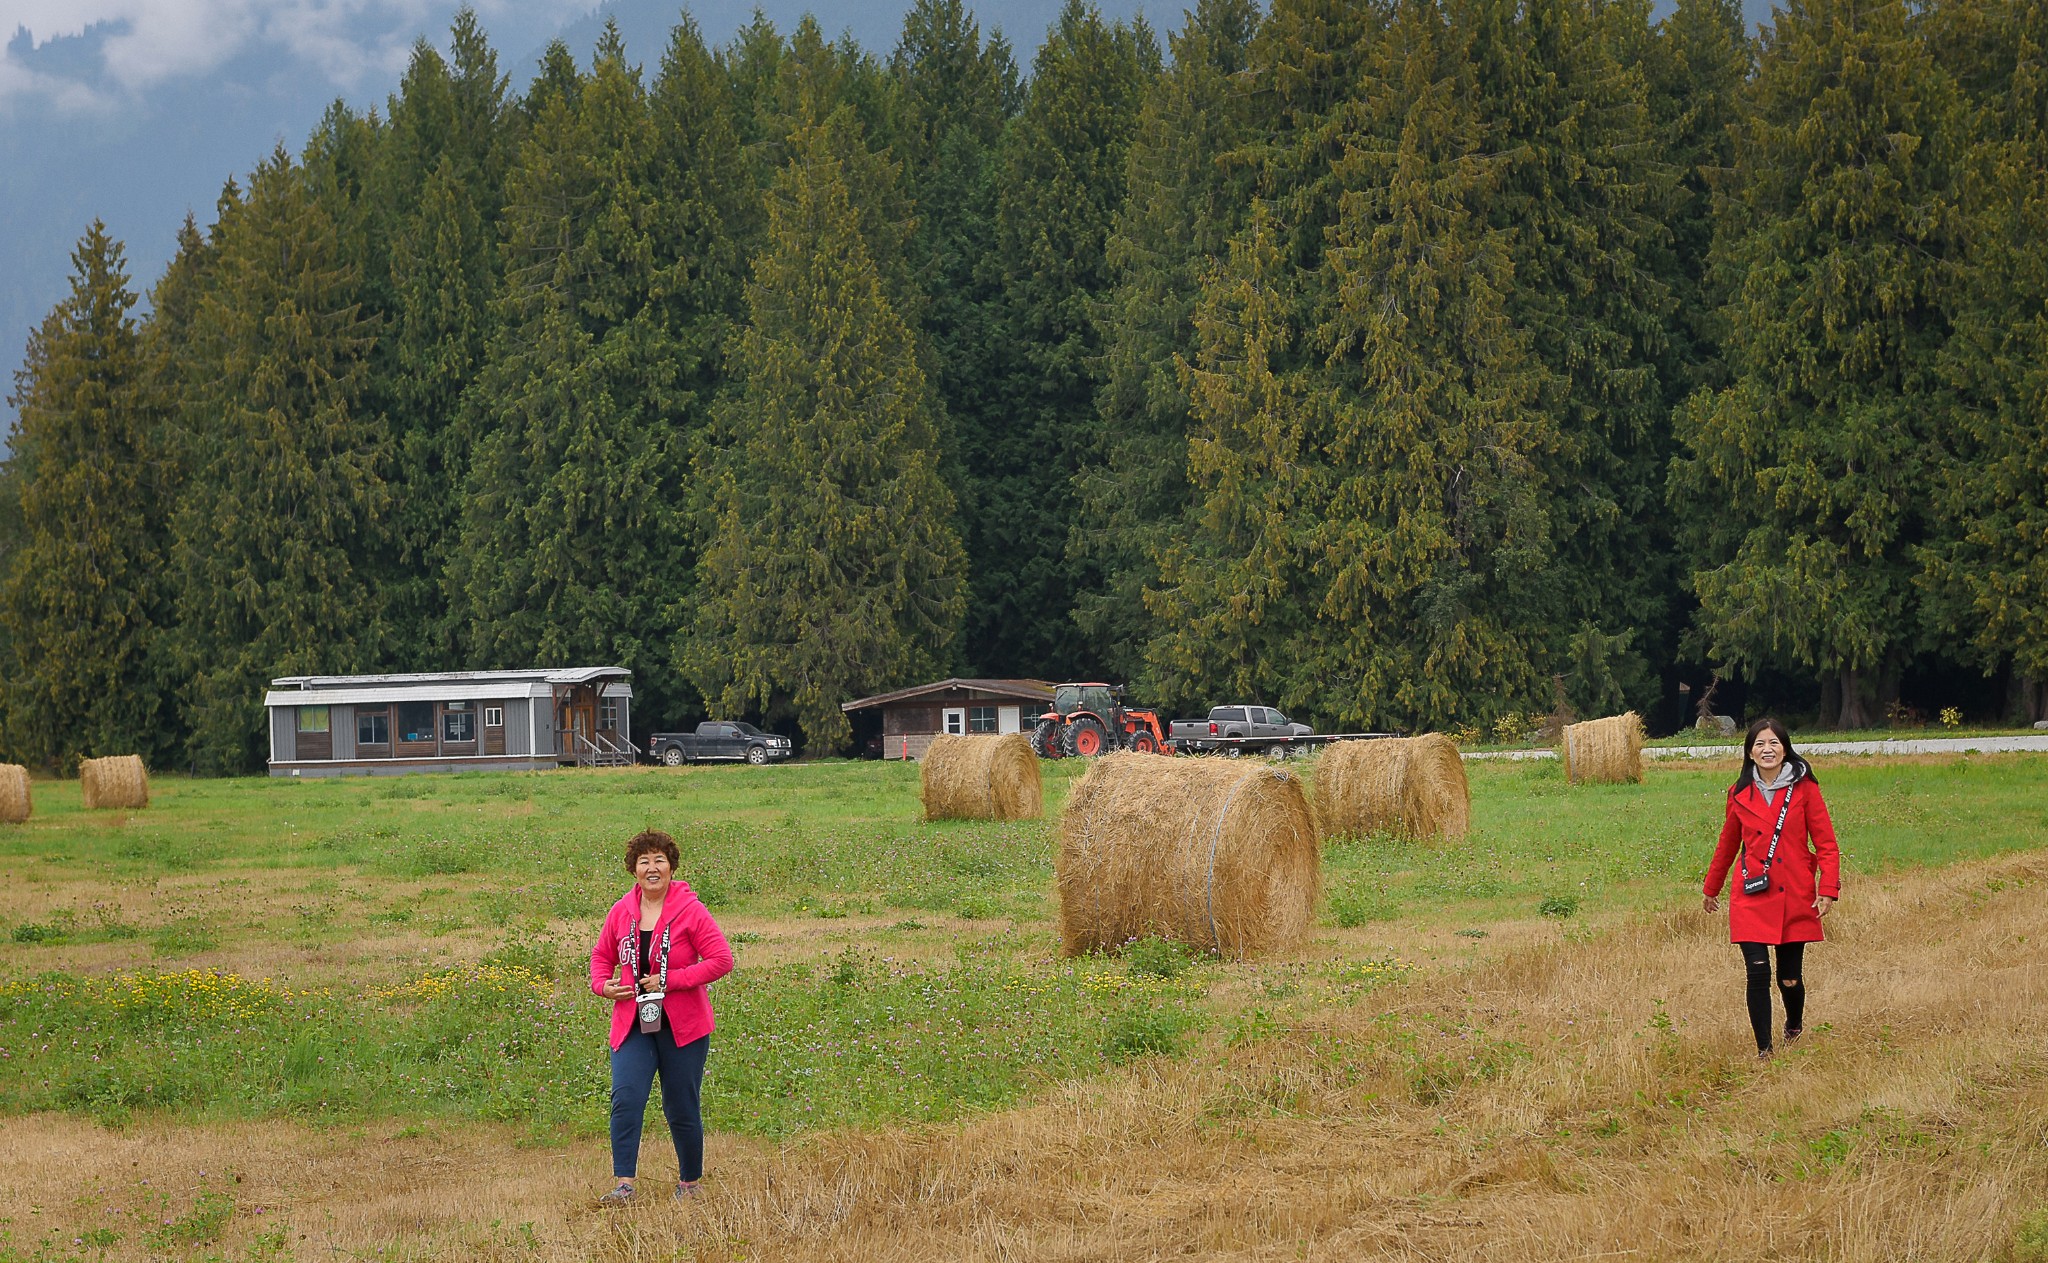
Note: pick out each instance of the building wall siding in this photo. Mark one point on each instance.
(284, 722)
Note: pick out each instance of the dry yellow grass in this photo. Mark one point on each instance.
(1573, 1099)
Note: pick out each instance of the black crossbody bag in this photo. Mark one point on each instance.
(1762, 881)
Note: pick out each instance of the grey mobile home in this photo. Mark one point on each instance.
(382, 725)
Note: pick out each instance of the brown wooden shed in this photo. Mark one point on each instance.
(911, 717)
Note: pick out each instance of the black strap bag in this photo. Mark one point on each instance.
(1762, 881)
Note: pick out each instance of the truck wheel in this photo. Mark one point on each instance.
(672, 756)
(1045, 739)
(1085, 739)
(757, 755)
(1233, 751)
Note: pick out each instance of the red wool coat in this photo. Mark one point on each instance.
(1809, 864)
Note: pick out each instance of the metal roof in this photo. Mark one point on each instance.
(535, 675)
(1022, 690)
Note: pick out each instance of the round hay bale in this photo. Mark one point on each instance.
(1412, 787)
(116, 781)
(981, 778)
(15, 805)
(1605, 751)
(1219, 854)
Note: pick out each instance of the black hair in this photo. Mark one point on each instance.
(1792, 757)
(648, 840)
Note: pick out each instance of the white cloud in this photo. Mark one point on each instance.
(137, 44)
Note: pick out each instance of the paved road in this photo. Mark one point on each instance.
(2036, 742)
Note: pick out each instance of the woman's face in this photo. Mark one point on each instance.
(651, 872)
(1768, 753)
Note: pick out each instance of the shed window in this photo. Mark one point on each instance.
(458, 723)
(494, 716)
(981, 719)
(373, 728)
(312, 719)
(608, 714)
(415, 721)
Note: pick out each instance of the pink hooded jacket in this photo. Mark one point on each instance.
(697, 955)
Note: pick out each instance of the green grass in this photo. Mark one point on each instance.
(337, 950)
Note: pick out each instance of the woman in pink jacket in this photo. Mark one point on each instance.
(1778, 900)
(658, 942)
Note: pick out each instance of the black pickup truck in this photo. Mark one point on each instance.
(716, 740)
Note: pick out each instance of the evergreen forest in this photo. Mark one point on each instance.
(1397, 363)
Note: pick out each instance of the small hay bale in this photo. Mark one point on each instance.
(981, 778)
(1604, 750)
(1218, 854)
(1412, 787)
(116, 781)
(15, 805)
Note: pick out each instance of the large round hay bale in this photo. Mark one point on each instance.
(116, 781)
(1219, 854)
(1604, 750)
(981, 778)
(1412, 787)
(15, 805)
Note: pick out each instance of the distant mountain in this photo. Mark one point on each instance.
(93, 125)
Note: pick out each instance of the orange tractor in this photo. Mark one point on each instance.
(1091, 719)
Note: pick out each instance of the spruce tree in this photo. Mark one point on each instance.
(284, 509)
(1063, 179)
(573, 545)
(1186, 198)
(834, 567)
(1985, 577)
(1803, 481)
(83, 599)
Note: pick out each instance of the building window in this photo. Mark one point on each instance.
(981, 719)
(415, 721)
(608, 714)
(312, 719)
(494, 716)
(458, 723)
(373, 728)
(956, 721)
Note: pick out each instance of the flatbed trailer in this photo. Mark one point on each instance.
(1280, 747)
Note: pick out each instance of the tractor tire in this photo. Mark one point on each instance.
(1142, 743)
(1085, 738)
(1045, 739)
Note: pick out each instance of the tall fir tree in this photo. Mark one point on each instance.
(573, 543)
(282, 516)
(1188, 193)
(1802, 482)
(1985, 576)
(1581, 186)
(1063, 179)
(1371, 514)
(835, 566)
(83, 601)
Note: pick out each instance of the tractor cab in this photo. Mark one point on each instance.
(1094, 699)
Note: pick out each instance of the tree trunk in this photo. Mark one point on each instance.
(2026, 698)
(1855, 711)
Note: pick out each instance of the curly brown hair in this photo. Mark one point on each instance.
(652, 840)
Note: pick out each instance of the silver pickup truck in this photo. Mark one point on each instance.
(1236, 729)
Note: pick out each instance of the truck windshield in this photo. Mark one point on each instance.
(1068, 698)
(746, 730)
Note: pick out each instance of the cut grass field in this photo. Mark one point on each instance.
(1530, 1041)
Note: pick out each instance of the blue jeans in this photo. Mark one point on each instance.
(634, 1064)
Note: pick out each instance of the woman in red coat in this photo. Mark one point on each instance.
(1794, 889)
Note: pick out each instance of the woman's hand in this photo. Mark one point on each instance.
(1821, 906)
(1711, 903)
(650, 982)
(617, 990)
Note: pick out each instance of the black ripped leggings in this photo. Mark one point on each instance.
(1756, 960)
